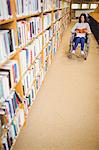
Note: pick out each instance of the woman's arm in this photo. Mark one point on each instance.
(88, 29)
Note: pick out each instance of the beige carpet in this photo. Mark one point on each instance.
(65, 115)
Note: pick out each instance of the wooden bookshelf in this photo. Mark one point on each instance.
(54, 31)
(6, 21)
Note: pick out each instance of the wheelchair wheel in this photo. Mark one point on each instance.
(69, 55)
(85, 56)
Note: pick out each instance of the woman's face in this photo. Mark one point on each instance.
(82, 19)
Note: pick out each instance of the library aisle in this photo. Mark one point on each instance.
(65, 115)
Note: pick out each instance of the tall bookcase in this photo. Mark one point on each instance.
(35, 28)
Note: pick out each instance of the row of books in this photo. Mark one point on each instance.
(9, 73)
(10, 106)
(9, 138)
(56, 16)
(47, 20)
(29, 29)
(9, 76)
(57, 4)
(47, 57)
(56, 41)
(13, 102)
(27, 7)
(50, 50)
(38, 81)
(26, 31)
(31, 96)
(28, 80)
(47, 50)
(47, 5)
(8, 46)
(5, 10)
(56, 26)
(35, 26)
(11, 119)
(60, 13)
(47, 35)
(29, 53)
(35, 70)
(31, 74)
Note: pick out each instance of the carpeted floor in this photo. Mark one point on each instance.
(65, 115)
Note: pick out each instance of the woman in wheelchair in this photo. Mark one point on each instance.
(80, 30)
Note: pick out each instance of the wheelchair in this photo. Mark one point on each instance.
(86, 47)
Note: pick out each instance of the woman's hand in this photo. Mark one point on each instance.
(81, 30)
(85, 30)
(77, 31)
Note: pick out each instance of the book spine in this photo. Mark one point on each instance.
(9, 7)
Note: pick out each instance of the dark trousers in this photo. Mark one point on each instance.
(77, 41)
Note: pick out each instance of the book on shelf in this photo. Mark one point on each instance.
(47, 35)
(4, 80)
(35, 26)
(39, 80)
(47, 5)
(22, 28)
(13, 130)
(10, 71)
(56, 15)
(8, 46)
(38, 65)
(47, 56)
(28, 29)
(29, 53)
(27, 7)
(56, 27)
(11, 104)
(47, 20)
(5, 10)
(28, 80)
(26, 59)
(57, 4)
(60, 13)
(31, 96)
(31, 74)
(55, 42)
(12, 119)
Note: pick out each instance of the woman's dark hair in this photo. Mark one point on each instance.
(85, 18)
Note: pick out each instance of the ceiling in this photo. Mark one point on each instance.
(88, 1)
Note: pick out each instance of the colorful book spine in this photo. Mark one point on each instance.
(28, 7)
(5, 10)
(12, 69)
(47, 5)
(47, 20)
(29, 29)
(8, 46)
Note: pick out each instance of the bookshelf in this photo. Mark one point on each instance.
(30, 33)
